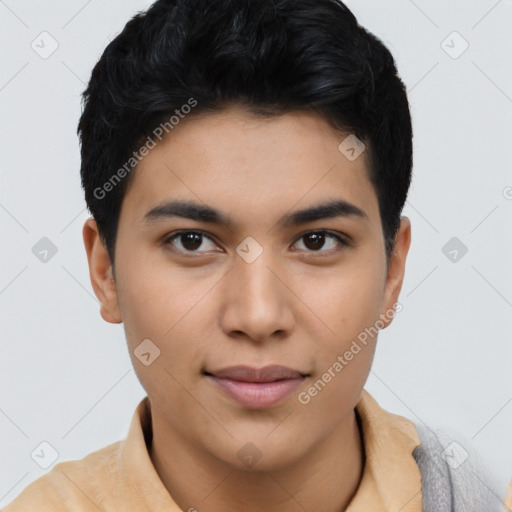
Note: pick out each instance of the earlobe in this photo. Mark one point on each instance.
(100, 272)
(396, 270)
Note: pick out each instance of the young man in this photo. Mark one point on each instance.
(246, 164)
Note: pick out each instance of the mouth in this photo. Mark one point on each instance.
(257, 388)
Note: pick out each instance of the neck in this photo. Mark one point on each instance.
(326, 479)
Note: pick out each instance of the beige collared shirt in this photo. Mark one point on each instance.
(391, 479)
(122, 478)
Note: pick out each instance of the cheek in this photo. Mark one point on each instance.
(344, 358)
(158, 300)
(347, 301)
(164, 311)
(336, 387)
(349, 304)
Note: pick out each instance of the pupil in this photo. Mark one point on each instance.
(191, 241)
(317, 240)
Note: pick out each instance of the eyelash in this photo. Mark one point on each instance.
(342, 241)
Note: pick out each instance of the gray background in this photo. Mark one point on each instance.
(65, 374)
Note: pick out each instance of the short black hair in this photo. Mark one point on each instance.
(270, 56)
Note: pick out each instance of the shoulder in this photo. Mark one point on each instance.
(453, 476)
(73, 485)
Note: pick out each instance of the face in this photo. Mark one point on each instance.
(238, 278)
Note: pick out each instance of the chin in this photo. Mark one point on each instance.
(259, 453)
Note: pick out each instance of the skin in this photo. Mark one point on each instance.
(294, 306)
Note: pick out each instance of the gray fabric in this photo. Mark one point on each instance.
(453, 478)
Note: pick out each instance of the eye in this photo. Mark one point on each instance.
(316, 240)
(189, 241)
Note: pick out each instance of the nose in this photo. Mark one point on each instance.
(258, 305)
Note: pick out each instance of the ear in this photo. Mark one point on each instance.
(396, 270)
(100, 272)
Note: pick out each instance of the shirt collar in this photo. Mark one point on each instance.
(391, 478)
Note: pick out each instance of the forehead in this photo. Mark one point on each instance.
(251, 165)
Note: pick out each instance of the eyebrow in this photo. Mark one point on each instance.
(202, 213)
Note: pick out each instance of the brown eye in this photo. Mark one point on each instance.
(191, 241)
(315, 241)
(188, 242)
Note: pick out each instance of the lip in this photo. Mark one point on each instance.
(257, 388)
